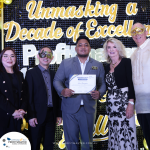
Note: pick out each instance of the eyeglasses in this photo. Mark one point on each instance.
(137, 30)
(44, 54)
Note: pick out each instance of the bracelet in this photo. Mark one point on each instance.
(131, 102)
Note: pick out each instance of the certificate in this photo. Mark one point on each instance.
(82, 84)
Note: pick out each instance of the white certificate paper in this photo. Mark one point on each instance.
(82, 84)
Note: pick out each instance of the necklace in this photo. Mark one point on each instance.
(113, 65)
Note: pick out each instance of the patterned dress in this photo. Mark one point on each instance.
(122, 131)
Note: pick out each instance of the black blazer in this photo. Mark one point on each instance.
(37, 101)
(7, 107)
(123, 76)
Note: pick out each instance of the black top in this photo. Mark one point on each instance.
(14, 83)
(123, 76)
(7, 99)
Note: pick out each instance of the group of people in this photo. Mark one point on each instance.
(46, 97)
(35, 96)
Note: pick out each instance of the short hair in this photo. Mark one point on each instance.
(141, 24)
(45, 46)
(15, 67)
(82, 37)
(119, 45)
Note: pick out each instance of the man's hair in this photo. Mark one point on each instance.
(82, 37)
(141, 24)
(45, 46)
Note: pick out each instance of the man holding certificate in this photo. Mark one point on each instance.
(80, 82)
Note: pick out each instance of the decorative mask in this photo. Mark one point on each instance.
(44, 54)
(136, 31)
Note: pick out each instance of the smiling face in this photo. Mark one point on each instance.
(112, 50)
(83, 48)
(139, 39)
(8, 59)
(44, 62)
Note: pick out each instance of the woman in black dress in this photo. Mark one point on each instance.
(12, 98)
(120, 98)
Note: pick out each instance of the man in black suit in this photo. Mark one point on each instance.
(44, 103)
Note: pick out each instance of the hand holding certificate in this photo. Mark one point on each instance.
(67, 92)
(82, 84)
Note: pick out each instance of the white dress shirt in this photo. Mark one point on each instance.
(140, 60)
(82, 70)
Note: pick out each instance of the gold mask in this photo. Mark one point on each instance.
(137, 30)
(44, 54)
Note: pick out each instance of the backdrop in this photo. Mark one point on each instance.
(28, 25)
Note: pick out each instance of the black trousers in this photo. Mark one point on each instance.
(45, 130)
(144, 121)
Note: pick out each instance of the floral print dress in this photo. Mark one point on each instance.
(122, 131)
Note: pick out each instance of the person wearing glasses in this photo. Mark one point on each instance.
(12, 93)
(44, 103)
(140, 60)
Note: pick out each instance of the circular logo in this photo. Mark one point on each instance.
(14, 141)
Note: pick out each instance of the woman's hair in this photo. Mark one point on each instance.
(120, 47)
(15, 67)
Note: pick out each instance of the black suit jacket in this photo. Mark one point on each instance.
(123, 76)
(37, 104)
(7, 107)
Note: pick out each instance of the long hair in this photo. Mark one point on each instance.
(15, 67)
(120, 47)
